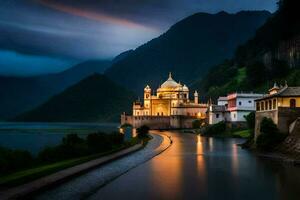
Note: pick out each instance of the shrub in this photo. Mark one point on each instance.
(196, 124)
(216, 129)
(269, 135)
(143, 131)
(11, 160)
(99, 142)
(250, 119)
(72, 139)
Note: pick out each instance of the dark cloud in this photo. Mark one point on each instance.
(85, 29)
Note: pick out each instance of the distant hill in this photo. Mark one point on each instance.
(19, 94)
(272, 55)
(95, 98)
(188, 49)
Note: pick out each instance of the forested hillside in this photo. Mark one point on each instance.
(272, 55)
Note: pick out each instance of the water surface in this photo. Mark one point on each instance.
(36, 136)
(196, 167)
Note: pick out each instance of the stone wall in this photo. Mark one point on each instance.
(159, 122)
(273, 114)
(291, 144)
(283, 118)
(177, 122)
(286, 116)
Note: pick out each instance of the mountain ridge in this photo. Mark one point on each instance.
(188, 49)
(93, 99)
(19, 94)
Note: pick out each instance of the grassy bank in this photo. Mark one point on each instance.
(18, 177)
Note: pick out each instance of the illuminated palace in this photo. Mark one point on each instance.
(171, 107)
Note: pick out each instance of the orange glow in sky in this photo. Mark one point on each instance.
(97, 16)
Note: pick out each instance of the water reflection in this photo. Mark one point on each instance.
(197, 167)
(211, 144)
(201, 163)
(169, 183)
(235, 159)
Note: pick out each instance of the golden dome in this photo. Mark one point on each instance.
(185, 88)
(170, 83)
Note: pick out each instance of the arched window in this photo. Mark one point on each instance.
(270, 105)
(266, 105)
(293, 103)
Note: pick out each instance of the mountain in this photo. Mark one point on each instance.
(95, 98)
(272, 55)
(19, 94)
(188, 49)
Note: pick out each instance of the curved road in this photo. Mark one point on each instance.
(196, 167)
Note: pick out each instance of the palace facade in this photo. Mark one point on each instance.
(169, 107)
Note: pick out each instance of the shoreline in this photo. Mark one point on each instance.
(278, 157)
(63, 175)
(33, 187)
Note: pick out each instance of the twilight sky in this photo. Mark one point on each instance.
(42, 36)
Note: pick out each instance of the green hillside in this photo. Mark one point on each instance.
(94, 99)
(248, 70)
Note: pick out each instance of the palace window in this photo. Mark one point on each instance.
(158, 114)
(274, 104)
(217, 115)
(162, 114)
(270, 105)
(266, 105)
(258, 106)
(293, 103)
(240, 103)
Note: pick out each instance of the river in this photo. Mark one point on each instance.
(197, 167)
(33, 137)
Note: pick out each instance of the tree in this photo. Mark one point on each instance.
(216, 129)
(256, 73)
(196, 124)
(269, 135)
(250, 119)
(143, 131)
(279, 69)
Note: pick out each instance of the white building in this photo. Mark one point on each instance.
(233, 107)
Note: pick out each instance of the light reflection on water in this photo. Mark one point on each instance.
(196, 167)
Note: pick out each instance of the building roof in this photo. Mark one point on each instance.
(216, 108)
(284, 92)
(222, 99)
